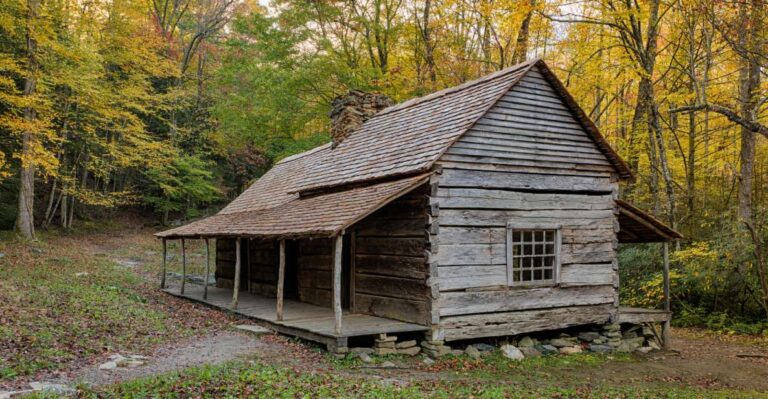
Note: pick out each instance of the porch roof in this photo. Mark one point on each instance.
(320, 215)
(636, 226)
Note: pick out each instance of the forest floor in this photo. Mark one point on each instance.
(68, 302)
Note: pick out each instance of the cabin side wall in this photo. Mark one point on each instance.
(527, 161)
(225, 262)
(390, 264)
(259, 272)
(315, 265)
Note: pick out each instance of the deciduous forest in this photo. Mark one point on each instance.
(173, 106)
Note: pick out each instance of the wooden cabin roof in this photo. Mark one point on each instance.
(320, 215)
(636, 226)
(400, 142)
(409, 138)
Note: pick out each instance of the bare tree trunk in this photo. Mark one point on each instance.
(749, 83)
(25, 219)
(426, 37)
(521, 45)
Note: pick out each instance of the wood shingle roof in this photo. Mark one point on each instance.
(320, 190)
(322, 215)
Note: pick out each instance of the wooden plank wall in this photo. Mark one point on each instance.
(225, 262)
(314, 267)
(263, 257)
(527, 160)
(390, 261)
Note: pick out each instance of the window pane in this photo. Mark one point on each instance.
(526, 275)
(527, 236)
(533, 255)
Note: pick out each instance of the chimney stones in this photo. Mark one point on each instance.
(351, 110)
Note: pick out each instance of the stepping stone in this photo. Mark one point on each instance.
(253, 329)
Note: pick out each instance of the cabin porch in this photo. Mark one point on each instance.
(636, 226)
(300, 319)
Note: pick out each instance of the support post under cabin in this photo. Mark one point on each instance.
(207, 269)
(183, 266)
(667, 299)
(337, 282)
(236, 282)
(281, 281)
(165, 257)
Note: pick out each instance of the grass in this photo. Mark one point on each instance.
(61, 306)
(256, 379)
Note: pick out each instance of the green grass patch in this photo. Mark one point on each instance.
(254, 379)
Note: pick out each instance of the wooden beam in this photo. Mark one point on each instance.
(236, 280)
(207, 270)
(667, 299)
(644, 222)
(338, 243)
(281, 281)
(183, 265)
(352, 272)
(165, 256)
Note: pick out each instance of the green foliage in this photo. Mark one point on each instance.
(185, 183)
(713, 283)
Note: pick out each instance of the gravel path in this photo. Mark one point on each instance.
(216, 348)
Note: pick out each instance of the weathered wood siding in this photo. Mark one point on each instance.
(390, 265)
(530, 161)
(263, 258)
(315, 267)
(225, 262)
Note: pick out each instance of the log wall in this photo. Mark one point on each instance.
(315, 267)
(263, 258)
(529, 161)
(225, 262)
(390, 263)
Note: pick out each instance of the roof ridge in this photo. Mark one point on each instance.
(453, 89)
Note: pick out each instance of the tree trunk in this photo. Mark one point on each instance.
(521, 45)
(749, 83)
(426, 36)
(25, 219)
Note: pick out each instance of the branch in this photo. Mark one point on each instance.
(732, 116)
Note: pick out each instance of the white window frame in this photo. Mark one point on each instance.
(511, 227)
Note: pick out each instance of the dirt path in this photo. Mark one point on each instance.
(698, 360)
(216, 348)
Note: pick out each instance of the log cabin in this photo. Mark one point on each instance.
(483, 210)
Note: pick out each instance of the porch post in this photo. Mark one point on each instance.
(667, 299)
(165, 256)
(183, 266)
(281, 281)
(207, 270)
(337, 282)
(236, 282)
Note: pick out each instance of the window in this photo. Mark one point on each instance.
(533, 254)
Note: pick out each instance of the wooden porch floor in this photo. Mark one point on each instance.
(311, 322)
(641, 315)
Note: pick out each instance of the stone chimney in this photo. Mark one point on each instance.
(350, 110)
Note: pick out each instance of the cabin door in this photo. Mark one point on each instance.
(346, 272)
